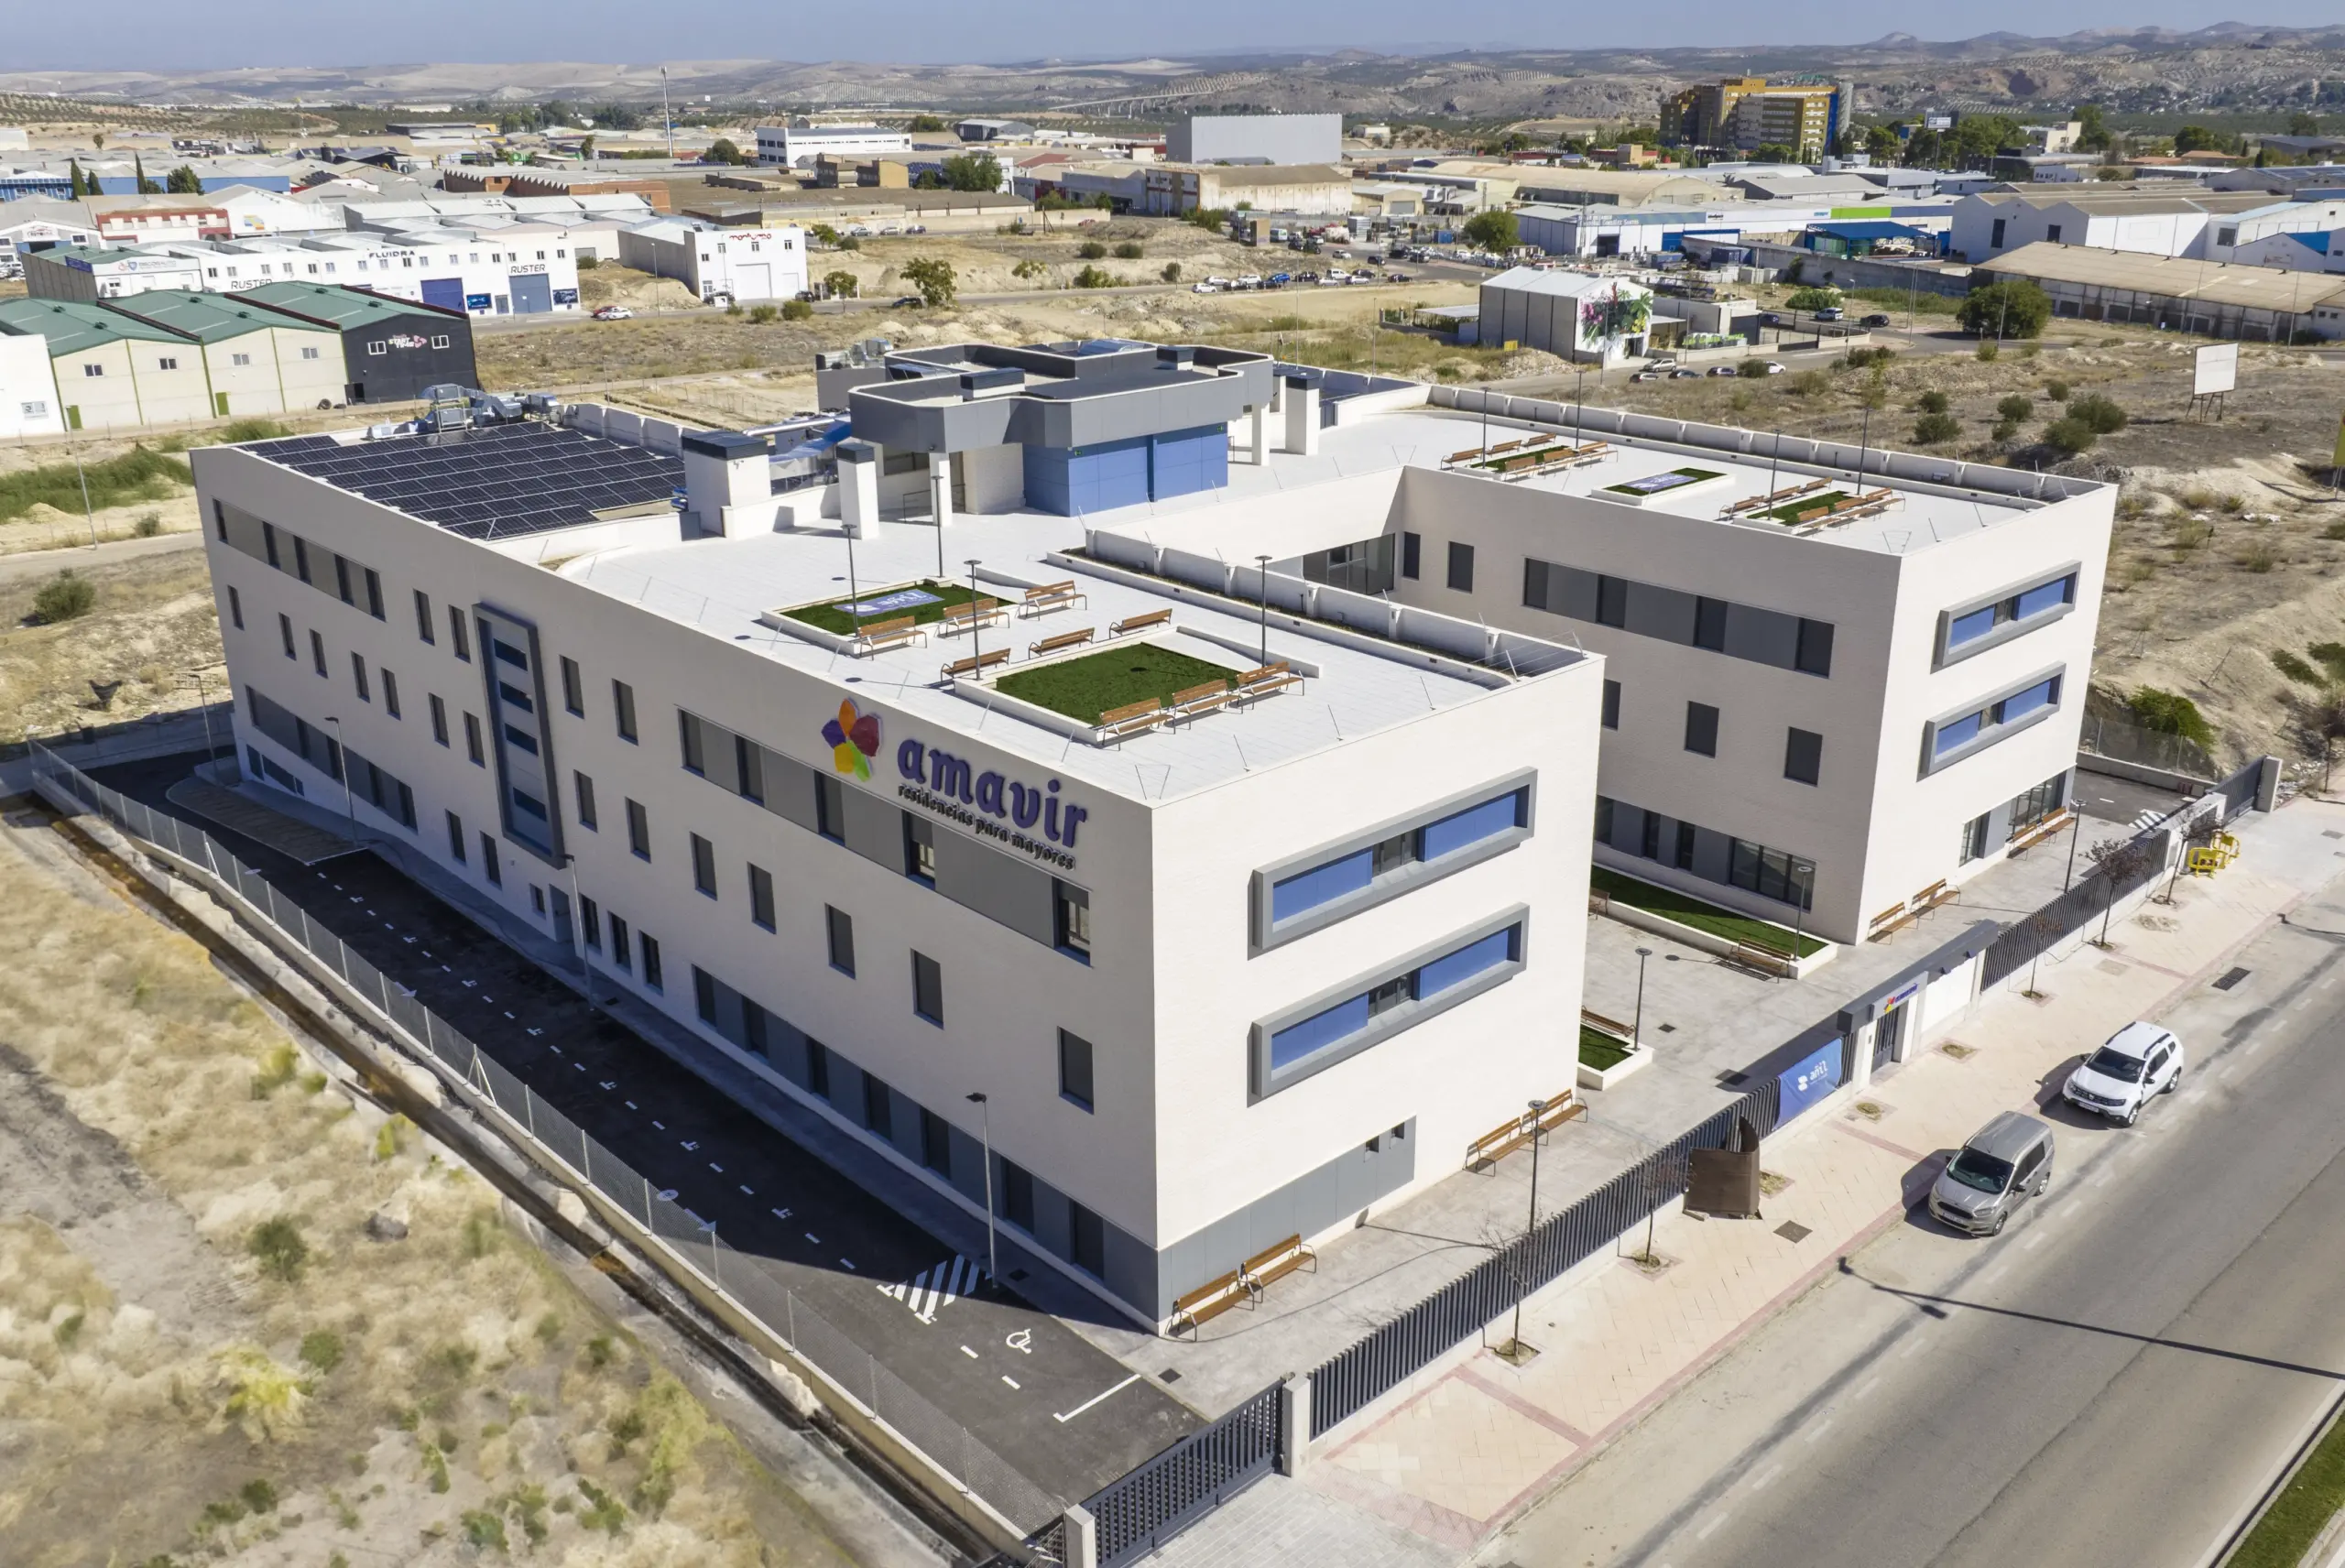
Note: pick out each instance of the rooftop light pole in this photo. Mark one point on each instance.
(976, 620)
(853, 593)
(1262, 563)
(984, 1127)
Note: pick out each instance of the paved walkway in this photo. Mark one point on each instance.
(1480, 1440)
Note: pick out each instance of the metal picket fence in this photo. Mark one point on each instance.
(2144, 860)
(689, 1242)
(1395, 1351)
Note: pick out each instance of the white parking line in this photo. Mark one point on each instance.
(1764, 1482)
(1008, 1379)
(779, 1214)
(848, 1264)
(2033, 1239)
(813, 1239)
(1715, 1520)
(967, 1352)
(1095, 1399)
(1816, 1434)
(1869, 1385)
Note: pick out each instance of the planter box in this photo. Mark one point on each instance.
(1604, 1077)
(1775, 963)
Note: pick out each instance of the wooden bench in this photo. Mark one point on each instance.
(1132, 718)
(1892, 919)
(2030, 837)
(1130, 624)
(982, 612)
(1455, 458)
(1936, 895)
(1272, 1264)
(977, 664)
(1265, 679)
(1192, 702)
(1560, 1109)
(1208, 1301)
(1052, 596)
(1504, 446)
(1603, 1025)
(1495, 1144)
(1054, 643)
(902, 631)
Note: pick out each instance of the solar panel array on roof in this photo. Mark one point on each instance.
(489, 483)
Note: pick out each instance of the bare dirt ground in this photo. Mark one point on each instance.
(152, 627)
(246, 1319)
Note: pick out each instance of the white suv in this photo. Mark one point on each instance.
(2140, 1060)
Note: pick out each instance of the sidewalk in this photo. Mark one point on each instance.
(1479, 1440)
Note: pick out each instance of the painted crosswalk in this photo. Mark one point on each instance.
(936, 1287)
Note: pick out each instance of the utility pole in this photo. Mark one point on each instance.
(82, 474)
(1263, 563)
(985, 1124)
(665, 116)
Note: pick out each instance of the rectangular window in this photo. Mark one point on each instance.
(342, 580)
(235, 608)
(590, 921)
(935, 1142)
(574, 687)
(472, 741)
(838, 928)
(649, 945)
(488, 861)
(456, 638)
(1814, 656)
(623, 710)
(423, 616)
(1412, 553)
(439, 720)
(582, 790)
(1612, 602)
(1611, 705)
(1995, 236)
(1538, 580)
(455, 838)
(318, 654)
(2013, 611)
(285, 634)
(761, 897)
(688, 733)
(1018, 1196)
(920, 849)
(928, 989)
(1074, 1070)
(2043, 694)
(1701, 729)
(754, 1037)
(1649, 835)
(879, 1107)
(301, 559)
(622, 951)
(830, 808)
(358, 678)
(1461, 567)
(1086, 1236)
(1771, 872)
(1959, 733)
(704, 995)
(818, 1069)
(1709, 624)
(639, 830)
(749, 767)
(390, 693)
(704, 866)
(1961, 629)
(1687, 837)
(1327, 1034)
(1803, 757)
(1329, 882)
(269, 545)
(1071, 923)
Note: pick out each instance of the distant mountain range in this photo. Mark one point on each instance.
(2230, 66)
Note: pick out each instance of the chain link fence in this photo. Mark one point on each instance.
(664, 1229)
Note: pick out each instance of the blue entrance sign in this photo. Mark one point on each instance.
(1808, 1080)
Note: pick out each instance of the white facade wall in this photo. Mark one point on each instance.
(1175, 1145)
(274, 370)
(2177, 231)
(28, 405)
(748, 264)
(799, 145)
(1257, 138)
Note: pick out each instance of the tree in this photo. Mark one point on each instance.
(2014, 308)
(723, 150)
(1925, 148)
(2195, 138)
(2094, 136)
(586, 148)
(971, 172)
(929, 123)
(182, 181)
(2302, 125)
(1494, 230)
(1775, 152)
(98, 140)
(1172, 272)
(1882, 144)
(146, 186)
(839, 284)
(933, 278)
(80, 186)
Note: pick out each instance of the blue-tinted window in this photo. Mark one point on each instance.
(1966, 628)
(2043, 694)
(2035, 600)
(1320, 1030)
(1467, 961)
(1321, 884)
(1472, 825)
(1960, 733)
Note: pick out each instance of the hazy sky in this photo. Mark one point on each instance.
(166, 34)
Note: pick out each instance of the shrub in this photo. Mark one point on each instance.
(2334, 531)
(2100, 415)
(150, 525)
(321, 1348)
(258, 1496)
(1987, 350)
(2166, 713)
(1936, 429)
(2057, 390)
(2002, 432)
(1812, 299)
(1129, 251)
(1808, 383)
(797, 310)
(1091, 250)
(1752, 370)
(1094, 278)
(2294, 668)
(1932, 402)
(2329, 655)
(2068, 437)
(762, 314)
(2259, 558)
(64, 598)
(586, 263)
(278, 1244)
(2189, 534)
(1172, 273)
(2015, 407)
(2016, 308)
(734, 308)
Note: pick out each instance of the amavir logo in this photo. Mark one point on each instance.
(855, 740)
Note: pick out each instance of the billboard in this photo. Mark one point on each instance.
(2215, 369)
(1808, 1080)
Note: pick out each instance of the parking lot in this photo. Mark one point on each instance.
(1067, 1416)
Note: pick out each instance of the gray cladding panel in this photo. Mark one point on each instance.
(244, 530)
(789, 787)
(1663, 613)
(1015, 892)
(1578, 600)
(874, 828)
(1764, 637)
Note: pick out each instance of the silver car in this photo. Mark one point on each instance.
(2008, 1159)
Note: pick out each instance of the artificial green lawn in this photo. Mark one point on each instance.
(1789, 512)
(1688, 912)
(1113, 678)
(1692, 476)
(2301, 1511)
(835, 618)
(1599, 1050)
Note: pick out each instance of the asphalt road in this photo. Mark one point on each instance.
(1066, 1415)
(2111, 1382)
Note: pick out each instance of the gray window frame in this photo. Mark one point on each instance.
(1263, 1081)
(920, 1010)
(1791, 750)
(1942, 656)
(1263, 937)
(1991, 735)
(1078, 1061)
(639, 830)
(1460, 555)
(838, 939)
(761, 905)
(1693, 712)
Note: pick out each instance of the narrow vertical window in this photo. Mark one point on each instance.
(928, 989)
(574, 688)
(455, 838)
(488, 861)
(704, 866)
(639, 830)
(761, 897)
(1074, 1070)
(423, 616)
(838, 927)
(582, 790)
(623, 710)
(456, 638)
(390, 693)
(439, 720)
(235, 608)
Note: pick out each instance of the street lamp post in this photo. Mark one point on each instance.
(853, 593)
(1523, 1256)
(342, 758)
(1263, 563)
(985, 1125)
(976, 620)
(205, 708)
(1636, 1028)
(578, 931)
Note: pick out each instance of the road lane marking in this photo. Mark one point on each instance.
(1095, 1399)
(1715, 1520)
(967, 1352)
(2033, 1239)
(1764, 1482)
(1869, 1385)
(816, 1241)
(1008, 1379)
(848, 1264)
(1816, 1434)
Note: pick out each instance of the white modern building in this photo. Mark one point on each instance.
(2305, 235)
(1579, 315)
(800, 142)
(28, 405)
(1257, 138)
(92, 272)
(1988, 225)
(34, 222)
(1217, 970)
(740, 263)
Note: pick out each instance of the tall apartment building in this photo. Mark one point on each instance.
(1749, 112)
